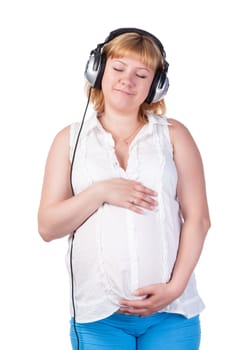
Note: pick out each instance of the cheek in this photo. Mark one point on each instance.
(148, 83)
(147, 88)
(104, 80)
(107, 79)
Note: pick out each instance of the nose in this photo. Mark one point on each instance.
(127, 79)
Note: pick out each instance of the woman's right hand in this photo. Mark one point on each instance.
(128, 194)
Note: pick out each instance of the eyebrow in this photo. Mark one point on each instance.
(141, 67)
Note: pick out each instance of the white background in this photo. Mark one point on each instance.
(44, 48)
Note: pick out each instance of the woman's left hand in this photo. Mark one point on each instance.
(157, 296)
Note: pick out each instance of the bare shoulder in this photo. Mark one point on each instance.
(179, 133)
(62, 137)
(176, 126)
(63, 133)
(60, 145)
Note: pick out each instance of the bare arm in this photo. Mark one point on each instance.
(60, 213)
(193, 202)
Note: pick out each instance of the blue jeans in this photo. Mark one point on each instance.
(161, 331)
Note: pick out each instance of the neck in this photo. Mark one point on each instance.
(122, 128)
(115, 116)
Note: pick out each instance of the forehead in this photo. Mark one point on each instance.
(143, 50)
(143, 59)
(129, 60)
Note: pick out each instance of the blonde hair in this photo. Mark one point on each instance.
(139, 47)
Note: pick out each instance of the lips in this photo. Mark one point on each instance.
(126, 92)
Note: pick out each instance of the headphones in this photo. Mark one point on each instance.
(96, 64)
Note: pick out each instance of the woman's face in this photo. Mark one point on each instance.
(126, 83)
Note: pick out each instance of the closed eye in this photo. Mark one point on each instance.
(118, 69)
(141, 76)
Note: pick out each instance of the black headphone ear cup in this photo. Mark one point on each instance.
(95, 68)
(100, 71)
(158, 88)
(153, 86)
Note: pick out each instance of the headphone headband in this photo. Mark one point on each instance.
(120, 31)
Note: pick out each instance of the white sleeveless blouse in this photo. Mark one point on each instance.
(116, 250)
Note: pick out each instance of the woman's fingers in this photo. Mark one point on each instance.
(145, 190)
(130, 194)
(144, 198)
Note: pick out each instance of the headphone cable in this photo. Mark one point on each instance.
(73, 234)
